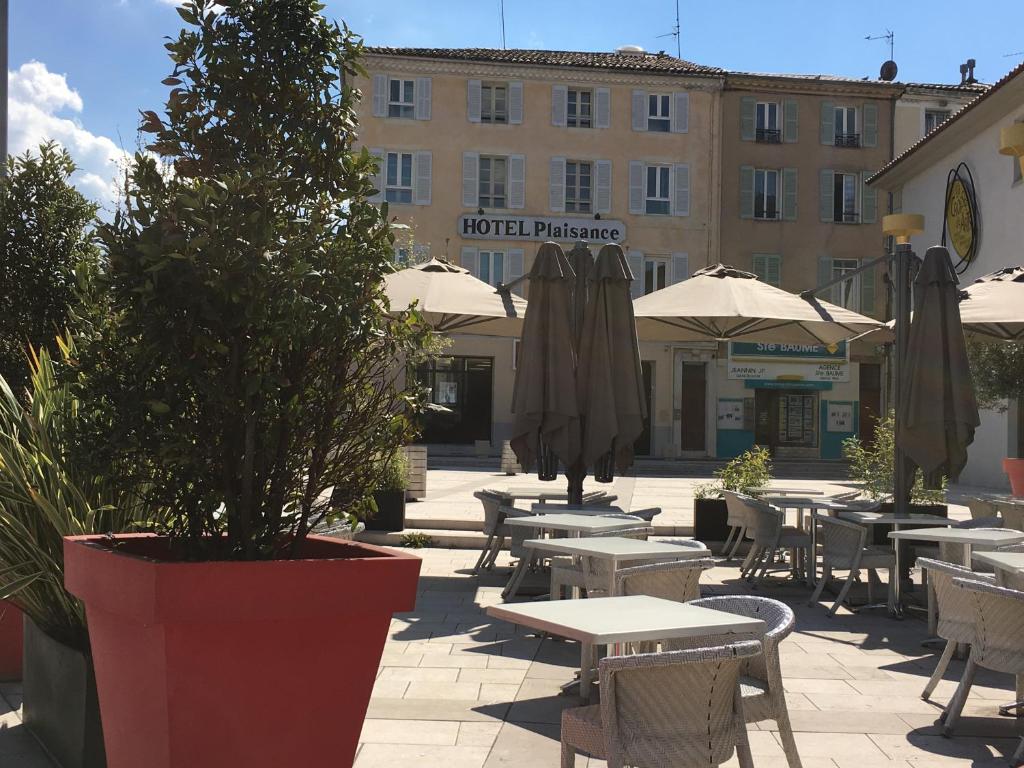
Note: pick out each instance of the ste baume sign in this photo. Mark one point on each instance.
(789, 362)
(564, 229)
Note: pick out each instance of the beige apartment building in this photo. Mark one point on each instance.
(486, 153)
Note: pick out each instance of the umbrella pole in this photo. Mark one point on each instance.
(575, 475)
(901, 477)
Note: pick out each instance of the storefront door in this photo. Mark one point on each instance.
(693, 407)
(464, 386)
(786, 419)
(642, 447)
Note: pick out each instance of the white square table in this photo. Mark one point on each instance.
(610, 620)
(573, 525)
(770, 491)
(967, 537)
(535, 492)
(800, 503)
(1003, 563)
(543, 508)
(616, 549)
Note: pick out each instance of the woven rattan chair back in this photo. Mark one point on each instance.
(678, 709)
(678, 580)
(998, 616)
(736, 510)
(841, 541)
(1012, 514)
(981, 508)
(954, 606)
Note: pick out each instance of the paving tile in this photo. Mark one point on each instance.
(860, 703)
(505, 676)
(833, 721)
(816, 685)
(454, 660)
(477, 734)
(389, 689)
(434, 674)
(917, 746)
(421, 756)
(471, 710)
(430, 689)
(536, 745)
(409, 732)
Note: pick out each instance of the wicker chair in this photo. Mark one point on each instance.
(680, 709)
(954, 614)
(736, 518)
(771, 534)
(1012, 514)
(998, 615)
(572, 573)
(981, 508)
(678, 580)
(845, 548)
(761, 678)
(496, 509)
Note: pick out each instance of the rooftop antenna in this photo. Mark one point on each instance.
(675, 33)
(890, 36)
(501, 5)
(1015, 53)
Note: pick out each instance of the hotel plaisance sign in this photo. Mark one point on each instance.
(569, 230)
(789, 362)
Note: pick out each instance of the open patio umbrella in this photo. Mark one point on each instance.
(544, 402)
(609, 380)
(452, 300)
(993, 305)
(724, 303)
(937, 413)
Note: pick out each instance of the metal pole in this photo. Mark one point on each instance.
(3, 87)
(901, 290)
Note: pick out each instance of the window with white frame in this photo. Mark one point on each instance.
(401, 98)
(767, 122)
(493, 103)
(655, 273)
(579, 108)
(398, 177)
(933, 118)
(658, 197)
(658, 112)
(766, 194)
(578, 186)
(844, 198)
(493, 182)
(847, 293)
(846, 127)
(492, 267)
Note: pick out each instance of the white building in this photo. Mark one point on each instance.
(918, 180)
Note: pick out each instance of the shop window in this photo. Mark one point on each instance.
(463, 387)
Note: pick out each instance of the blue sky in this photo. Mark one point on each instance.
(81, 69)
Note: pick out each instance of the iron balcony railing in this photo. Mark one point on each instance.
(848, 140)
(769, 135)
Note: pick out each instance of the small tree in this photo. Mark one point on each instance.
(250, 365)
(997, 369)
(872, 465)
(46, 236)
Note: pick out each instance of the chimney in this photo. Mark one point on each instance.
(967, 72)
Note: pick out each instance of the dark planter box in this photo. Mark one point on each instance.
(12, 632)
(60, 703)
(710, 520)
(390, 511)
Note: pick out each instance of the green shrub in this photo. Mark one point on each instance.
(395, 473)
(871, 466)
(416, 540)
(751, 469)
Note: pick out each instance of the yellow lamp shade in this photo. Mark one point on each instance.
(1011, 142)
(903, 225)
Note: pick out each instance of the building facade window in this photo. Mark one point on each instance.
(655, 273)
(933, 118)
(767, 122)
(658, 199)
(766, 194)
(659, 116)
(847, 134)
(494, 103)
(401, 98)
(579, 108)
(398, 178)
(845, 202)
(847, 293)
(493, 182)
(578, 186)
(492, 267)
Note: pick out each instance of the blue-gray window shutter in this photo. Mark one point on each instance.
(422, 162)
(470, 179)
(867, 291)
(681, 190)
(516, 181)
(789, 194)
(469, 260)
(602, 107)
(423, 98)
(680, 267)
(826, 194)
(828, 122)
(473, 101)
(790, 121)
(636, 186)
(380, 95)
(680, 112)
(746, 191)
(824, 276)
(869, 125)
(378, 177)
(514, 268)
(515, 102)
(559, 104)
(639, 110)
(556, 185)
(868, 200)
(748, 110)
(636, 266)
(603, 185)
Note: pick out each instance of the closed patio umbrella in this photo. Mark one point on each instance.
(937, 412)
(723, 303)
(544, 402)
(452, 300)
(609, 381)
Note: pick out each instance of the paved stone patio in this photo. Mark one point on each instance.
(456, 689)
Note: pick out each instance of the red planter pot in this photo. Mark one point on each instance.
(219, 664)
(11, 632)
(1014, 469)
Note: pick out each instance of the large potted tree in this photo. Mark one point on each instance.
(997, 369)
(750, 470)
(246, 365)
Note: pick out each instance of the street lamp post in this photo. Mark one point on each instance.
(3, 87)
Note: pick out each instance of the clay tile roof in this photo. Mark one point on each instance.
(660, 63)
(959, 115)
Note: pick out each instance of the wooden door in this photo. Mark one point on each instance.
(693, 407)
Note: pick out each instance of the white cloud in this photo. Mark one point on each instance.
(39, 103)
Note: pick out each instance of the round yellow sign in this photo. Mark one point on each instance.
(960, 219)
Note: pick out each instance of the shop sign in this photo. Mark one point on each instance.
(789, 362)
(840, 416)
(960, 219)
(568, 230)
